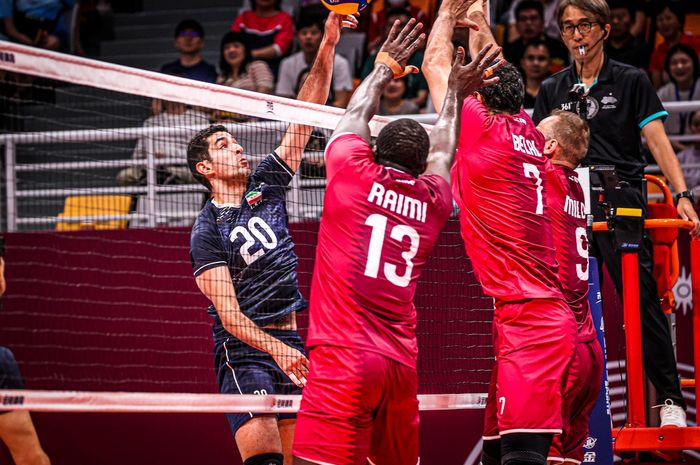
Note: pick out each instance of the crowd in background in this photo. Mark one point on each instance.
(270, 50)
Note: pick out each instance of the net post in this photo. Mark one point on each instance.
(295, 196)
(10, 184)
(151, 182)
(633, 339)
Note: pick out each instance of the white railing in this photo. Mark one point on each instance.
(151, 189)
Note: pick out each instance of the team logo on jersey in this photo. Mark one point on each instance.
(592, 107)
(609, 102)
(255, 197)
(590, 442)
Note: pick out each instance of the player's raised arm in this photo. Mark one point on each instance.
(481, 35)
(439, 50)
(390, 63)
(315, 89)
(216, 285)
(463, 80)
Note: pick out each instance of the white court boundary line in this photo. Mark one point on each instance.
(84, 71)
(160, 402)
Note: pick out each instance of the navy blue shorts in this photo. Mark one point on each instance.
(10, 378)
(242, 369)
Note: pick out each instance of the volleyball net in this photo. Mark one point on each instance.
(101, 310)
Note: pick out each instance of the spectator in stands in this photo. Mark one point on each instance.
(36, 23)
(294, 68)
(549, 15)
(268, 31)
(189, 40)
(423, 10)
(529, 23)
(691, 156)
(684, 70)
(534, 66)
(239, 70)
(622, 45)
(170, 147)
(669, 22)
(416, 85)
(393, 101)
(16, 427)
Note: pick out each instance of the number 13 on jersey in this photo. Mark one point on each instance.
(377, 243)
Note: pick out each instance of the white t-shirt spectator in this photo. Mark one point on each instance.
(677, 123)
(170, 146)
(292, 66)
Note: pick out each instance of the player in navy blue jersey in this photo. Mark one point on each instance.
(244, 262)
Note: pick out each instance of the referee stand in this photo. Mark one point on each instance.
(635, 436)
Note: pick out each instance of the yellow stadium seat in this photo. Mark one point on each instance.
(94, 205)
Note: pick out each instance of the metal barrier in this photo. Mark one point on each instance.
(151, 189)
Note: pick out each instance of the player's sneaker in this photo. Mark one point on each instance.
(672, 415)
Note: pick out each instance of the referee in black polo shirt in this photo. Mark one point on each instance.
(620, 103)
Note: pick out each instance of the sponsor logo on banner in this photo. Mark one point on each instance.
(7, 57)
(589, 457)
(12, 400)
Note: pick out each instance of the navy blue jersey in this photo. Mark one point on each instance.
(253, 241)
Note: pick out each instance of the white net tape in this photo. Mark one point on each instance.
(133, 402)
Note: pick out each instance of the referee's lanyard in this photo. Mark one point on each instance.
(684, 116)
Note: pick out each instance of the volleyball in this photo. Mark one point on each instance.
(345, 7)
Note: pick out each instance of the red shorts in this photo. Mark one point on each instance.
(534, 342)
(357, 405)
(582, 390)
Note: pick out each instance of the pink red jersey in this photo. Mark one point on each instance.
(378, 228)
(566, 210)
(497, 181)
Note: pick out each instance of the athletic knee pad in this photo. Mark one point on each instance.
(265, 459)
(491, 452)
(525, 448)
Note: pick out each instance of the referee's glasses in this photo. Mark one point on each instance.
(584, 28)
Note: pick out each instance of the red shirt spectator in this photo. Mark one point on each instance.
(268, 31)
(669, 21)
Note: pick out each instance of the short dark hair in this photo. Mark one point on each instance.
(310, 20)
(278, 5)
(198, 150)
(529, 5)
(598, 8)
(403, 142)
(623, 4)
(506, 96)
(688, 50)
(537, 43)
(676, 7)
(398, 11)
(189, 24)
(228, 38)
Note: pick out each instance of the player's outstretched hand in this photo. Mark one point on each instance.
(293, 363)
(459, 9)
(687, 212)
(478, 73)
(334, 23)
(401, 45)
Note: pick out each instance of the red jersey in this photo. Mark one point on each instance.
(566, 211)
(497, 181)
(378, 228)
